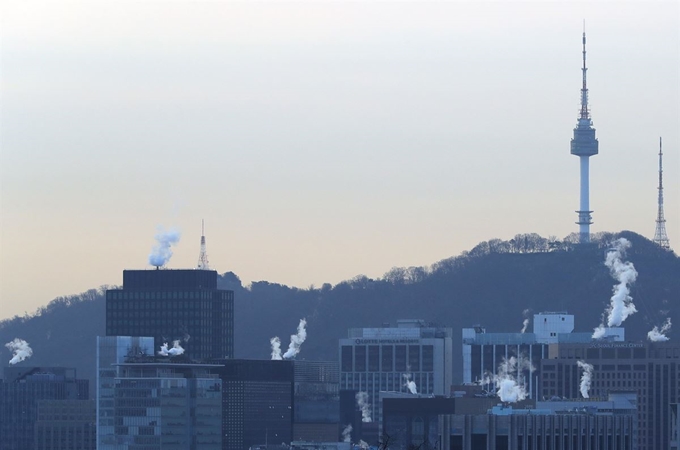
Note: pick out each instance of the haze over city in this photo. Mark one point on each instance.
(319, 141)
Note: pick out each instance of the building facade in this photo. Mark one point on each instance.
(171, 305)
(317, 402)
(651, 370)
(257, 402)
(66, 425)
(111, 351)
(578, 425)
(163, 405)
(21, 391)
(483, 352)
(386, 359)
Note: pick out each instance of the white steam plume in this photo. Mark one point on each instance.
(364, 406)
(525, 324)
(657, 335)
(276, 347)
(296, 340)
(161, 252)
(363, 444)
(586, 377)
(347, 434)
(174, 351)
(621, 304)
(510, 380)
(408, 384)
(20, 350)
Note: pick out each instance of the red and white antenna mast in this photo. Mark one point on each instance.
(203, 256)
(660, 236)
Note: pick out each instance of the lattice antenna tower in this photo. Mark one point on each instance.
(203, 255)
(660, 236)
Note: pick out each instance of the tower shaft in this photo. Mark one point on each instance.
(660, 236)
(584, 145)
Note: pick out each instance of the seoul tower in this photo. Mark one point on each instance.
(584, 145)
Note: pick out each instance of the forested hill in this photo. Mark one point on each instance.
(492, 284)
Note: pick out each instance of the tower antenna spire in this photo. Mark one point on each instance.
(660, 236)
(584, 145)
(203, 255)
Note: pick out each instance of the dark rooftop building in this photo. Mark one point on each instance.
(257, 402)
(66, 425)
(20, 393)
(173, 305)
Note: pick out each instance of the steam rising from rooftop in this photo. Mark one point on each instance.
(296, 340)
(276, 348)
(525, 324)
(347, 434)
(364, 406)
(161, 252)
(409, 384)
(659, 335)
(20, 350)
(586, 377)
(621, 303)
(174, 351)
(510, 379)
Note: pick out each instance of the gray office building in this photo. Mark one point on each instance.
(388, 358)
(651, 369)
(567, 425)
(483, 352)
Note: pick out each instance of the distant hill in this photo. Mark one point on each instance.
(491, 285)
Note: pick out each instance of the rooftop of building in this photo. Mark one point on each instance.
(405, 329)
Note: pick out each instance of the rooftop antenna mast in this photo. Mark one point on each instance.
(203, 255)
(660, 236)
(584, 145)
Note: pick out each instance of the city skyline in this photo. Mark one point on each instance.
(320, 141)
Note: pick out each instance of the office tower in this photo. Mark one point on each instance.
(163, 404)
(170, 305)
(111, 351)
(20, 392)
(569, 425)
(584, 145)
(650, 369)
(412, 355)
(316, 415)
(483, 352)
(66, 425)
(257, 402)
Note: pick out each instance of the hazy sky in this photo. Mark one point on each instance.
(319, 140)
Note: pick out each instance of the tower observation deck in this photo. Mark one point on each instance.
(584, 145)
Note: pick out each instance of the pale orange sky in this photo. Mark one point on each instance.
(319, 140)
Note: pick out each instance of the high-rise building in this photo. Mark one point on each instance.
(484, 352)
(173, 305)
(111, 351)
(652, 370)
(66, 425)
(20, 393)
(257, 402)
(317, 403)
(163, 404)
(584, 145)
(412, 355)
